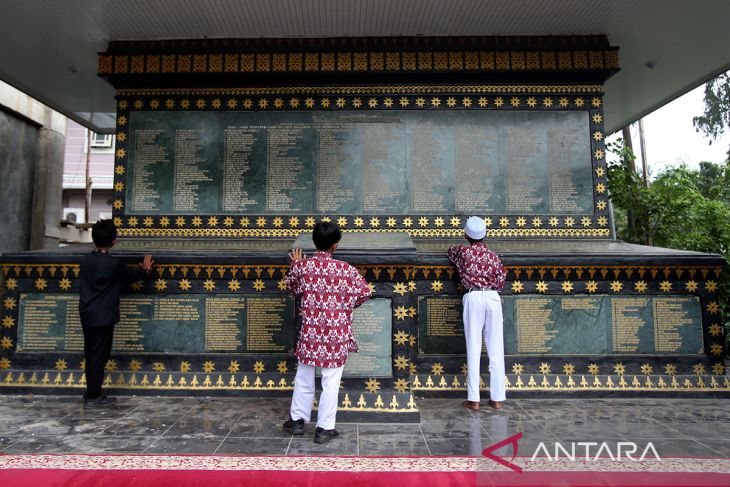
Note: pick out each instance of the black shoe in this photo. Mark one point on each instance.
(294, 427)
(99, 402)
(322, 435)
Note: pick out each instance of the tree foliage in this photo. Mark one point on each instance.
(681, 208)
(716, 117)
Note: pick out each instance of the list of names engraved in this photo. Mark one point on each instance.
(626, 320)
(223, 323)
(43, 322)
(189, 173)
(237, 168)
(148, 156)
(563, 157)
(383, 168)
(128, 334)
(670, 315)
(444, 317)
(371, 325)
(430, 166)
(335, 178)
(523, 188)
(74, 335)
(535, 328)
(164, 323)
(285, 170)
(477, 170)
(265, 318)
(322, 162)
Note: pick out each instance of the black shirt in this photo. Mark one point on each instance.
(100, 283)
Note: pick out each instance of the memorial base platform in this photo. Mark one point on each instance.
(581, 318)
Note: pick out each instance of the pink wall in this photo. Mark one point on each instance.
(74, 164)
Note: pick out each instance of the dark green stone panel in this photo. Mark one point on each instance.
(372, 326)
(172, 323)
(395, 162)
(440, 325)
(573, 325)
(561, 325)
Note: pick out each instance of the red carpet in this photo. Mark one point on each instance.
(195, 470)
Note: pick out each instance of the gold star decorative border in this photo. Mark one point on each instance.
(595, 224)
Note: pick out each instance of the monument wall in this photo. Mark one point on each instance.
(228, 150)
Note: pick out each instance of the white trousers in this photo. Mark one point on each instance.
(303, 399)
(483, 321)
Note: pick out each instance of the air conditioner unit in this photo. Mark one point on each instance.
(73, 215)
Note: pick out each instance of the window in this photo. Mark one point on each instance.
(101, 140)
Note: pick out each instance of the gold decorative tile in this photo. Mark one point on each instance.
(580, 59)
(105, 64)
(215, 63)
(311, 61)
(456, 60)
(471, 60)
(502, 60)
(548, 60)
(425, 60)
(409, 61)
(533, 60)
(596, 59)
(377, 61)
(168, 63)
(295, 62)
(440, 60)
(361, 61)
(121, 64)
(263, 63)
(518, 59)
(278, 62)
(611, 59)
(137, 64)
(392, 61)
(486, 59)
(231, 61)
(328, 61)
(565, 60)
(200, 62)
(184, 63)
(247, 63)
(344, 61)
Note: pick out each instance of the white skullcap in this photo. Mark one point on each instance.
(475, 228)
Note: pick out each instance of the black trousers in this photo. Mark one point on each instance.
(97, 349)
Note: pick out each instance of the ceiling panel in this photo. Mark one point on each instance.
(688, 41)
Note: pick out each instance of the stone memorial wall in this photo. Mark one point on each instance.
(188, 163)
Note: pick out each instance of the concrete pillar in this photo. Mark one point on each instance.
(48, 190)
(18, 155)
(32, 139)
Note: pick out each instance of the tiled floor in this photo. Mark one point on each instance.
(53, 424)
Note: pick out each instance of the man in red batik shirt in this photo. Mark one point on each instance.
(482, 275)
(329, 290)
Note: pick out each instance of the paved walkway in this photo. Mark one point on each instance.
(59, 424)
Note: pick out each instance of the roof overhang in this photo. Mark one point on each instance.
(667, 47)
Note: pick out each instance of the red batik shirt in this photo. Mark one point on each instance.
(478, 266)
(329, 290)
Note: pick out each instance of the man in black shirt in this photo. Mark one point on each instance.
(100, 282)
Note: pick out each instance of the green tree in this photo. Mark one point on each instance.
(681, 208)
(716, 117)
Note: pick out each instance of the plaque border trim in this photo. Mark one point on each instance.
(587, 98)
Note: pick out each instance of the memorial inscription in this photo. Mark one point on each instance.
(371, 324)
(344, 163)
(165, 323)
(573, 325)
(196, 323)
